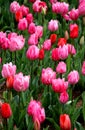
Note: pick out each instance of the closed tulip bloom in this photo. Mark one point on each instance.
(35, 110)
(29, 18)
(63, 97)
(39, 31)
(6, 111)
(4, 41)
(33, 39)
(74, 31)
(24, 10)
(41, 54)
(18, 15)
(71, 49)
(22, 25)
(74, 14)
(59, 85)
(53, 25)
(8, 70)
(61, 67)
(9, 82)
(31, 28)
(62, 41)
(83, 68)
(47, 44)
(55, 54)
(81, 8)
(63, 52)
(14, 6)
(53, 38)
(73, 77)
(47, 76)
(21, 83)
(32, 52)
(65, 122)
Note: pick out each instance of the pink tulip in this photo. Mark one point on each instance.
(31, 28)
(64, 97)
(53, 25)
(71, 49)
(32, 52)
(2, 37)
(74, 14)
(24, 10)
(61, 67)
(83, 68)
(22, 25)
(39, 31)
(36, 111)
(39, 6)
(59, 85)
(29, 18)
(21, 83)
(47, 76)
(73, 77)
(47, 44)
(81, 7)
(3, 41)
(16, 42)
(60, 8)
(33, 39)
(14, 6)
(63, 52)
(8, 70)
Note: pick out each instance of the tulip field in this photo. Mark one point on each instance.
(42, 65)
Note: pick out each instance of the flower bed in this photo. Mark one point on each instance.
(42, 65)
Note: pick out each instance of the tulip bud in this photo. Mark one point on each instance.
(82, 40)
(65, 122)
(66, 35)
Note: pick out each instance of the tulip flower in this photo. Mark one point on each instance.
(65, 122)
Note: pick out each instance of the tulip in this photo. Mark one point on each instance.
(9, 81)
(6, 111)
(73, 77)
(74, 30)
(65, 122)
(83, 68)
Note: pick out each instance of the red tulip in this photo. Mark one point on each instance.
(65, 122)
(6, 111)
(74, 30)
(9, 82)
(61, 41)
(53, 38)
(41, 54)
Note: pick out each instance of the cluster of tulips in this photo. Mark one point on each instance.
(42, 39)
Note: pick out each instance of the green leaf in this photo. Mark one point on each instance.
(83, 110)
(56, 126)
(78, 126)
